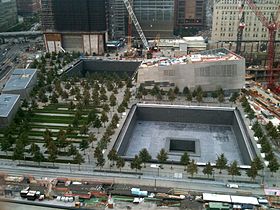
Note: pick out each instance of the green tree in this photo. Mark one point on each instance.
(221, 162)
(97, 123)
(106, 108)
(92, 138)
(112, 155)
(199, 98)
(121, 108)
(189, 97)
(97, 152)
(176, 90)
(84, 129)
(234, 97)
(52, 151)
(233, 169)
(252, 172)
(266, 147)
(38, 157)
(5, 145)
(100, 161)
(34, 148)
(186, 91)
(136, 163)
(185, 159)
(273, 166)
(54, 98)
(72, 150)
(113, 100)
(162, 156)
(78, 159)
(61, 139)
(258, 163)
(171, 95)
(251, 115)
(120, 163)
(145, 156)
(221, 98)
(192, 168)
(91, 116)
(18, 151)
(208, 169)
(104, 118)
(258, 132)
(84, 144)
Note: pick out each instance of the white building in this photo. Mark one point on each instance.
(226, 16)
(209, 69)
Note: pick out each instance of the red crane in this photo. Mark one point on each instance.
(272, 27)
(241, 27)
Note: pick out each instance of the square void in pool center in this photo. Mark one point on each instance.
(212, 140)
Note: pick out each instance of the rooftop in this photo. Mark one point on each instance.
(221, 54)
(7, 102)
(19, 79)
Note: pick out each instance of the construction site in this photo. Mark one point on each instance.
(203, 130)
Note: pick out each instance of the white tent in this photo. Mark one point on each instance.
(244, 200)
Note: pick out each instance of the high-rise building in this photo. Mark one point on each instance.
(28, 7)
(189, 14)
(226, 16)
(8, 14)
(156, 17)
(118, 19)
(75, 25)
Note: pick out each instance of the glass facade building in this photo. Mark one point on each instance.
(8, 14)
(74, 15)
(155, 17)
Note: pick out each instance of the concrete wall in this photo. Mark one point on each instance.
(76, 70)
(243, 138)
(204, 115)
(126, 131)
(185, 115)
(230, 75)
(91, 65)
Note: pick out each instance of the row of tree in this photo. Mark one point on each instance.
(139, 161)
(262, 139)
(198, 94)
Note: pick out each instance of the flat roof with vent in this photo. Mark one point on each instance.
(19, 79)
(7, 102)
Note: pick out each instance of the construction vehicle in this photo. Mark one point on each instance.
(241, 27)
(272, 27)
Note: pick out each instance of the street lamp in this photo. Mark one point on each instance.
(157, 166)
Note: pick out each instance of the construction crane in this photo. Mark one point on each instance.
(129, 32)
(136, 23)
(241, 27)
(272, 27)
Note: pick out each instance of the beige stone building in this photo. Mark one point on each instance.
(226, 15)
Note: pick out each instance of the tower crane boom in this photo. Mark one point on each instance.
(241, 27)
(136, 23)
(272, 27)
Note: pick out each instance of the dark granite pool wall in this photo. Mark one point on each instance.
(84, 66)
(76, 70)
(203, 115)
